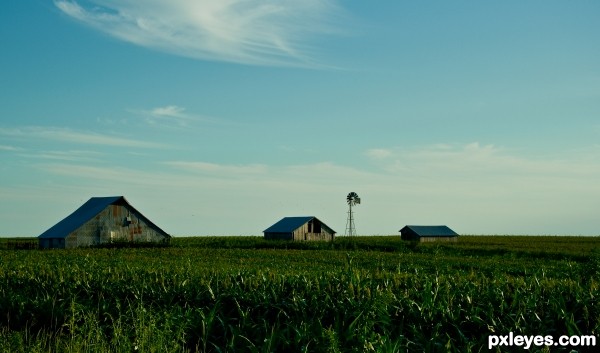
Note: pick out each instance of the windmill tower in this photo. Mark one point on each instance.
(352, 200)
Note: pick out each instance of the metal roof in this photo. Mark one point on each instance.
(86, 212)
(431, 231)
(288, 224)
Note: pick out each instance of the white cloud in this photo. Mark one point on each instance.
(255, 32)
(108, 174)
(163, 117)
(224, 199)
(474, 188)
(169, 110)
(9, 148)
(220, 169)
(483, 187)
(68, 155)
(174, 116)
(457, 161)
(440, 158)
(74, 136)
(378, 153)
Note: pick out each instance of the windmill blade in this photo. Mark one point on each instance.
(350, 198)
(353, 198)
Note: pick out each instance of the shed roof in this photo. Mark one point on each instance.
(288, 224)
(86, 212)
(431, 231)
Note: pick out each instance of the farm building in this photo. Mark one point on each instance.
(428, 233)
(299, 228)
(102, 220)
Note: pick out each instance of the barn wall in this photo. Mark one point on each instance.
(408, 235)
(299, 233)
(280, 236)
(114, 223)
(44, 243)
(52, 243)
(438, 239)
(302, 233)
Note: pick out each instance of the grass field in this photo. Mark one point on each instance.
(245, 294)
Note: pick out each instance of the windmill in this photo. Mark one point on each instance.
(352, 200)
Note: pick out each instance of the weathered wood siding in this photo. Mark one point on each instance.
(438, 239)
(114, 223)
(278, 236)
(52, 243)
(407, 235)
(428, 234)
(306, 233)
(302, 234)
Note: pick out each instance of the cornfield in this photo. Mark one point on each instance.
(244, 294)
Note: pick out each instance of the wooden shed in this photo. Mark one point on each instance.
(102, 220)
(428, 233)
(299, 228)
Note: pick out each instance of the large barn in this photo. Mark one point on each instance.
(299, 228)
(428, 233)
(102, 220)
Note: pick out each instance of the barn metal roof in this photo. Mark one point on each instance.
(86, 212)
(288, 224)
(431, 231)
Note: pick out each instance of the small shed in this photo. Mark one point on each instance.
(299, 228)
(428, 233)
(102, 220)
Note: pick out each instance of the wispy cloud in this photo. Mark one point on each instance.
(174, 116)
(69, 155)
(169, 115)
(475, 188)
(484, 187)
(74, 136)
(313, 174)
(93, 172)
(9, 148)
(222, 170)
(254, 32)
(170, 111)
(486, 169)
(378, 153)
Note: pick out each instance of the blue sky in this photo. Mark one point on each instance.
(221, 117)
